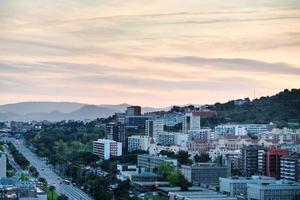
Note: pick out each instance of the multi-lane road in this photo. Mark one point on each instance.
(72, 192)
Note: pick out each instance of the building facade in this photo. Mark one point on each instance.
(149, 162)
(154, 127)
(138, 142)
(134, 111)
(250, 162)
(2, 165)
(237, 186)
(192, 121)
(105, 148)
(207, 174)
(290, 167)
(273, 191)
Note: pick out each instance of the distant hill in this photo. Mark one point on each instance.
(57, 111)
(24, 108)
(281, 107)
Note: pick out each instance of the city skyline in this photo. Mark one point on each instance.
(147, 53)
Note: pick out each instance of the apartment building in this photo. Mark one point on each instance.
(290, 167)
(105, 148)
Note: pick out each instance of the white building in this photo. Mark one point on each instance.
(181, 139)
(224, 152)
(201, 134)
(138, 142)
(191, 121)
(230, 130)
(2, 165)
(106, 148)
(154, 127)
(166, 138)
(257, 128)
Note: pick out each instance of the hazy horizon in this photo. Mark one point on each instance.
(156, 53)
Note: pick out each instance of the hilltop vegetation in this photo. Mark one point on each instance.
(279, 108)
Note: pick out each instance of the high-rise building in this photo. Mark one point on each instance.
(134, 111)
(272, 161)
(136, 121)
(154, 127)
(111, 131)
(106, 148)
(290, 167)
(115, 131)
(251, 164)
(2, 165)
(191, 121)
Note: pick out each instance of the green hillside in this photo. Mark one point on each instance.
(280, 108)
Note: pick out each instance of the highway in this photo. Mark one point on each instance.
(72, 192)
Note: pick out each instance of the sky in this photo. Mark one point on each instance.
(150, 53)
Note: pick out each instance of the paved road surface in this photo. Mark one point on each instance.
(73, 193)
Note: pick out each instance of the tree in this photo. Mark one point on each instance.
(52, 189)
(164, 169)
(183, 157)
(24, 177)
(204, 157)
(173, 178)
(183, 183)
(33, 171)
(297, 197)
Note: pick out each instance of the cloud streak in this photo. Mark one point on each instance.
(154, 53)
(233, 64)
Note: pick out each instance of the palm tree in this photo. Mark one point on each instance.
(51, 189)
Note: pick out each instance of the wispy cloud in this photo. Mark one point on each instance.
(232, 64)
(129, 51)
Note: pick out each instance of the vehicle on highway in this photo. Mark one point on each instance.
(67, 182)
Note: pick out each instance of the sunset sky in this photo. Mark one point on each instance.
(151, 53)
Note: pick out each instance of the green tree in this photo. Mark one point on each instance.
(183, 157)
(165, 169)
(183, 183)
(24, 177)
(173, 178)
(52, 189)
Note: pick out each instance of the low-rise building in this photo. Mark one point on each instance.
(275, 191)
(230, 130)
(193, 193)
(207, 174)
(149, 162)
(237, 186)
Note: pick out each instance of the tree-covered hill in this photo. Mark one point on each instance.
(279, 108)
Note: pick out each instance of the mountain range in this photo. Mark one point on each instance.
(57, 111)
